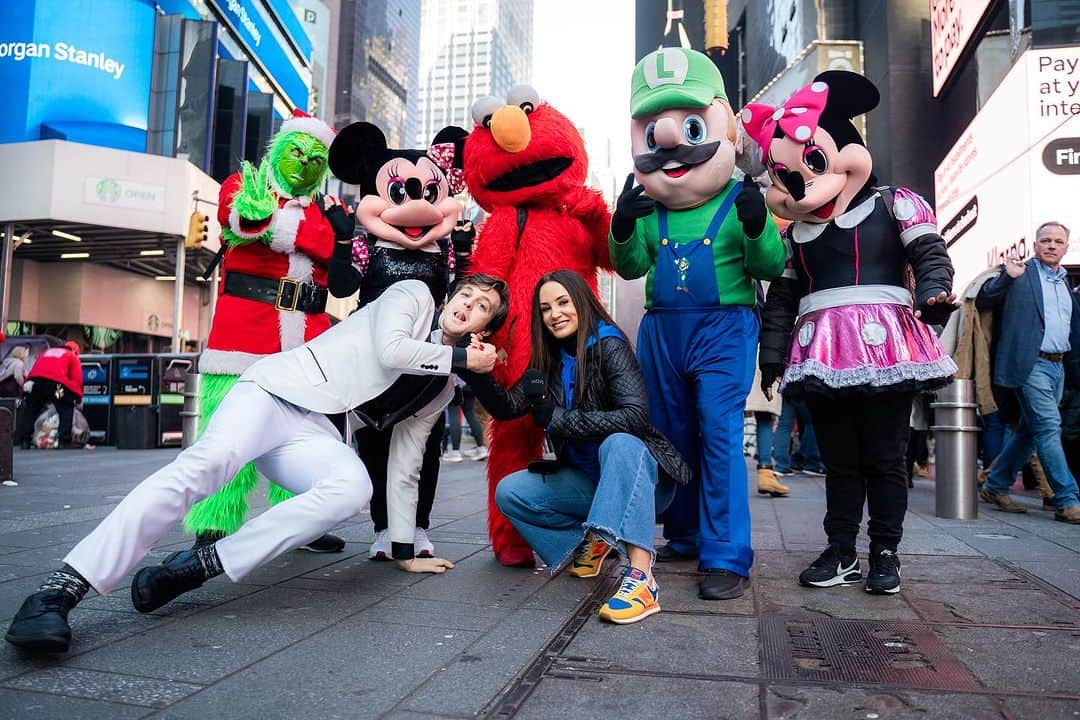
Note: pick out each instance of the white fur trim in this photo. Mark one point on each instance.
(234, 225)
(286, 224)
(310, 126)
(226, 362)
(292, 325)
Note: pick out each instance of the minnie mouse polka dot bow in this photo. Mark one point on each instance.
(442, 154)
(798, 118)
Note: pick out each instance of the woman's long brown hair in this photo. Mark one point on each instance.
(590, 311)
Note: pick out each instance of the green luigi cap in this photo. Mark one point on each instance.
(672, 78)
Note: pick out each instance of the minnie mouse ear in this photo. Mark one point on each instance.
(456, 135)
(850, 94)
(357, 153)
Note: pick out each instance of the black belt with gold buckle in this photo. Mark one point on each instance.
(288, 294)
(1052, 357)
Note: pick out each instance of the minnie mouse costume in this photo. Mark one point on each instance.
(845, 325)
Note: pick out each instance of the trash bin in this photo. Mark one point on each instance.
(135, 427)
(955, 451)
(172, 371)
(97, 396)
(190, 414)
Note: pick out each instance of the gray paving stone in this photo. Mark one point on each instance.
(950, 570)
(615, 696)
(215, 642)
(1041, 708)
(563, 592)
(108, 687)
(679, 593)
(673, 643)
(470, 680)
(435, 614)
(356, 669)
(482, 581)
(1041, 661)
(800, 703)
(787, 597)
(1010, 604)
(25, 704)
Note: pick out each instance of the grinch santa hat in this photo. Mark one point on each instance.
(302, 122)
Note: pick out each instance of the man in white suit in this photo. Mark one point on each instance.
(276, 415)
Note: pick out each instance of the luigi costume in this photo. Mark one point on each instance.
(702, 239)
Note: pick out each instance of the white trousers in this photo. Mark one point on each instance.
(299, 450)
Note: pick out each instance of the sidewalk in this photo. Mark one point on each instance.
(987, 625)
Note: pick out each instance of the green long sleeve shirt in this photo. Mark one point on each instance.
(737, 259)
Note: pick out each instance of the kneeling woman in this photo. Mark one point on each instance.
(613, 471)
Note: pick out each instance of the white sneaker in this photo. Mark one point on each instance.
(380, 549)
(479, 453)
(422, 546)
(452, 456)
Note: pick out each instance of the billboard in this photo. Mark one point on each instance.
(1016, 166)
(77, 70)
(952, 23)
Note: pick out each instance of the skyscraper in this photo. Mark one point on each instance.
(377, 58)
(468, 48)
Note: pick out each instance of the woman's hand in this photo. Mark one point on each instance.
(425, 565)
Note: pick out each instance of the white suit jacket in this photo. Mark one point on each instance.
(356, 360)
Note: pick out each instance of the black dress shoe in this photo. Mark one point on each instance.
(155, 586)
(326, 544)
(665, 553)
(41, 623)
(718, 584)
(208, 537)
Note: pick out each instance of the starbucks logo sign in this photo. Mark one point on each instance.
(108, 190)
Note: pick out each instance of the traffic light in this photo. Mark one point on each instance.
(198, 226)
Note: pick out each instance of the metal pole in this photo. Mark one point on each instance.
(215, 277)
(178, 294)
(6, 250)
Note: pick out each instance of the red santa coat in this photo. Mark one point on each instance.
(302, 242)
(61, 366)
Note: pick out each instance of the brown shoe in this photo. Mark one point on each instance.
(1069, 515)
(1004, 503)
(767, 484)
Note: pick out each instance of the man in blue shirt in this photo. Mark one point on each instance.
(1031, 359)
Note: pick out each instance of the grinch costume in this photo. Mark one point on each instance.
(273, 286)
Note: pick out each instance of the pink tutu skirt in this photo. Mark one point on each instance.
(864, 348)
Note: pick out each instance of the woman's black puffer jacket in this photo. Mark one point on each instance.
(614, 401)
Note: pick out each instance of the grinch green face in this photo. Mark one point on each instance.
(299, 163)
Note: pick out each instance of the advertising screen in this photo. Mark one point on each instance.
(952, 22)
(76, 69)
(1016, 166)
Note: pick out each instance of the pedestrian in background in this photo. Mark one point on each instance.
(1038, 328)
(55, 378)
(467, 407)
(765, 411)
(13, 372)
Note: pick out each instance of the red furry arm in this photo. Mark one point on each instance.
(593, 213)
(497, 244)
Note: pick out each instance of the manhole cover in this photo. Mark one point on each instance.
(867, 651)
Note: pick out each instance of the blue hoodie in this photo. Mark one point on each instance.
(582, 454)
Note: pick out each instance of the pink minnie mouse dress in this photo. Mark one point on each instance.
(856, 330)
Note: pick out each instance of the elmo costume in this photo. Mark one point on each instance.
(525, 164)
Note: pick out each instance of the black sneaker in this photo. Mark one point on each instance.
(835, 566)
(41, 623)
(666, 553)
(884, 575)
(326, 544)
(719, 584)
(155, 586)
(207, 537)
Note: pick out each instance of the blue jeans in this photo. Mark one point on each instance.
(993, 437)
(1039, 430)
(795, 410)
(764, 423)
(553, 511)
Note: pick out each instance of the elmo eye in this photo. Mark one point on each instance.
(431, 192)
(815, 159)
(694, 129)
(524, 96)
(396, 192)
(650, 137)
(484, 108)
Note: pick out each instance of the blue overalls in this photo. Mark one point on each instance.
(697, 357)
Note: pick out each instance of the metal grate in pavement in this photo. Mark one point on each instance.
(903, 654)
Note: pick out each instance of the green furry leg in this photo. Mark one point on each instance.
(225, 510)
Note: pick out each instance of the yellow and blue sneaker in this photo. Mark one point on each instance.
(634, 601)
(590, 556)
